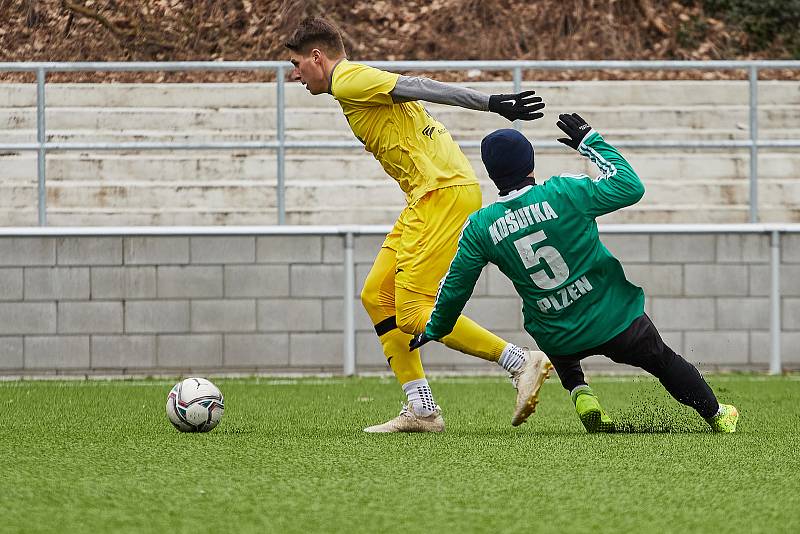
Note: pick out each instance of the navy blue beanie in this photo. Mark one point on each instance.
(508, 157)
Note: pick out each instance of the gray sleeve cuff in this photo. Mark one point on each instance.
(410, 88)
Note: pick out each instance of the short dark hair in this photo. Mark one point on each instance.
(316, 32)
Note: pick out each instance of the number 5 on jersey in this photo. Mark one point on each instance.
(532, 259)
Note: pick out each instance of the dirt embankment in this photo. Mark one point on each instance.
(167, 30)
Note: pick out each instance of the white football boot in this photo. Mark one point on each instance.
(528, 381)
(408, 421)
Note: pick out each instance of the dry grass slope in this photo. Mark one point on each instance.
(161, 30)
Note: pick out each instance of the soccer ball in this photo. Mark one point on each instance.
(195, 405)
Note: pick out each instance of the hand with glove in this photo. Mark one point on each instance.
(575, 127)
(417, 341)
(523, 106)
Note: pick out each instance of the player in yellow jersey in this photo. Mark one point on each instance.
(441, 190)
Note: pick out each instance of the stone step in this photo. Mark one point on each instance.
(456, 119)
(238, 186)
(545, 132)
(344, 195)
(191, 168)
(253, 95)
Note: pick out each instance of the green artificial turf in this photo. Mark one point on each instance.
(290, 456)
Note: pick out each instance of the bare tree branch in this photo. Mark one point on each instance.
(125, 37)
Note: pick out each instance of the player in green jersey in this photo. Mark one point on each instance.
(576, 299)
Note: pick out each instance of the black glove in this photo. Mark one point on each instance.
(417, 341)
(522, 106)
(575, 127)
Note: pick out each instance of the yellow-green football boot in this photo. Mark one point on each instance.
(591, 414)
(726, 420)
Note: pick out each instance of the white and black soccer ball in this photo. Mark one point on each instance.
(195, 405)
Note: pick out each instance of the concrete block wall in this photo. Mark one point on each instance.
(142, 305)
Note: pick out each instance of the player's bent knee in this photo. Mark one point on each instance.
(411, 319)
(372, 285)
(378, 303)
(369, 297)
(406, 324)
(371, 302)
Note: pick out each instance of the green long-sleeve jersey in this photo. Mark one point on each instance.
(544, 238)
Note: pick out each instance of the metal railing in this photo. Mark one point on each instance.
(280, 144)
(349, 233)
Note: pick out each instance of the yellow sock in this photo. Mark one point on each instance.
(471, 338)
(407, 365)
(414, 310)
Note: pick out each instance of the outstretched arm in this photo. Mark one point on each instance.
(410, 88)
(617, 186)
(521, 106)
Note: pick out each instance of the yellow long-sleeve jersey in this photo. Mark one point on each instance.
(414, 148)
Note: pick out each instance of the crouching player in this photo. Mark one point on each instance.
(576, 299)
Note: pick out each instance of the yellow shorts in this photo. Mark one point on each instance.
(426, 234)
